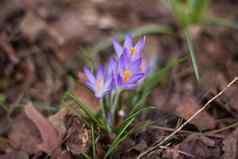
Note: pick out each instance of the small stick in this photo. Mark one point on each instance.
(158, 144)
(187, 132)
(222, 129)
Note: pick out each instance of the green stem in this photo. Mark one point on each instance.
(103, 110)
(104, 114)
(114, 105)
(191, 52)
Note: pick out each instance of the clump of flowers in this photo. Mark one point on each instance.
(124, 71)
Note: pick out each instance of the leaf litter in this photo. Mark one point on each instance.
(40, 41)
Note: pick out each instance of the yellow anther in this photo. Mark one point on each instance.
(132, 51)
(126, 75)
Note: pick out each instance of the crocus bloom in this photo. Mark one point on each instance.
(129, 72)
(101, 84)
(133, 50)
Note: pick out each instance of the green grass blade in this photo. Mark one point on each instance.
(135, 113)
(86, 156)
(93, 142)
(217, 21)
(191, 52)
(122, 135)
(118, 139)
(198, 10)
(2, 99)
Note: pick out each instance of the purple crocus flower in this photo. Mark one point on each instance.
(101, 84)
(133, 50)
(129, 72)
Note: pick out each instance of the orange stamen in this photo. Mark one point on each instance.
(132, 51)
(126, 75)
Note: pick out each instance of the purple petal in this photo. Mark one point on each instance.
(89, 74)
(117, 47)
(135, 66)
(122, 62)
(139, 46)
(128, 86)
(136, 78)
(112, 65)
(115, 81)
(128, 43)
(107, 84)
(90, 85)
(100, 72)
(99, 95)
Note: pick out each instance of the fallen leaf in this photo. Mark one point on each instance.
(78, 137)
(189, 106)
(58, 121)
(24, 135)
(50, 137)
(195, 146)
(230, 146)
(32, 25)
(15, 155)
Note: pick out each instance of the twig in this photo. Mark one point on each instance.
(222, 129)
(158, 144)
(187, 132)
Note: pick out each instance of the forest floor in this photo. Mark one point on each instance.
(43, 44)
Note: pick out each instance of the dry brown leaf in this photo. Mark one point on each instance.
(194, 146)
(57, 120)
(188, 106)
(78, 137)
(32, 25)
(50, 137)
(24, 135)
(230, 146)
(15, 155)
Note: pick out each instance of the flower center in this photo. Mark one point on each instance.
(99, 84)
(132, 51)
(126, 75)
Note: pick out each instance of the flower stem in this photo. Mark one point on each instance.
(104, 115)
(103, 110)
(114, 105)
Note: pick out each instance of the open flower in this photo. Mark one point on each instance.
(101, 84)
(129, 72)
(134, 51)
